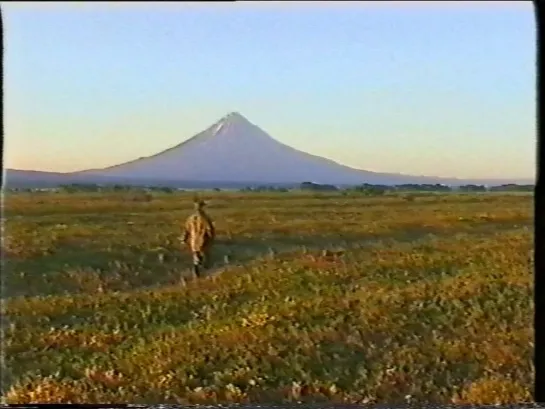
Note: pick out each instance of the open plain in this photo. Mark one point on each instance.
(312, 297)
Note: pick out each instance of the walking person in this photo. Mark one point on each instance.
(199, 235)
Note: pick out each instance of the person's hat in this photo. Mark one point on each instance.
(199, 203)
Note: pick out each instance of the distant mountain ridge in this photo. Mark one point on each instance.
(233, 151)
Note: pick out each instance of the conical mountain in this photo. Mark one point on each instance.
(235, 150)
(231, 152)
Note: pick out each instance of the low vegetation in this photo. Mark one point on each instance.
(312, 297)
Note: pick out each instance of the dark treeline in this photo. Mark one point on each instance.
(91, 187)
(370, 189)
(80, 187)
(363, 189)
(512, 188)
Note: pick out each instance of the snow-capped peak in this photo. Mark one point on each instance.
(234, 118)
(236, 126)
(234, 115)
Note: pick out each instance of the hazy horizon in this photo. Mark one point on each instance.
(433, 89)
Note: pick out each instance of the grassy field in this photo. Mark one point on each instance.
(311, 298)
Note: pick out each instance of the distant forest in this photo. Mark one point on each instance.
(363, 189)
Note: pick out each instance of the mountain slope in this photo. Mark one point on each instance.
(233, 149)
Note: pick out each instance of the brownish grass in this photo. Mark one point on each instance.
(325, 298)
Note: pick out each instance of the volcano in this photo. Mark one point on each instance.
(231, 152)
(235, 150)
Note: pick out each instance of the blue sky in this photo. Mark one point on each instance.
(445, 89)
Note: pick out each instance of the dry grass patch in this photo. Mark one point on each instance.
(494, 390)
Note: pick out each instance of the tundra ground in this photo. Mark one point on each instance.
(312, 298)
